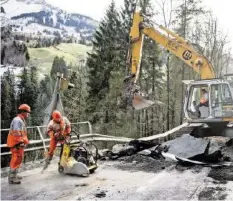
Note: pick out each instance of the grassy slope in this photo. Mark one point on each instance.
(43, 57)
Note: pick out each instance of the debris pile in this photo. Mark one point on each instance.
(187, 148)
(120, 150)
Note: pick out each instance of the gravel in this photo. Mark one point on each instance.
(139, 162)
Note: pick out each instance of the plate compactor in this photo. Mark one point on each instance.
(76, 157)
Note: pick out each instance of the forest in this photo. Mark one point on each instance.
(97, 95)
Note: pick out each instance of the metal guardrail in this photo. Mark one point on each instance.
(87, 137)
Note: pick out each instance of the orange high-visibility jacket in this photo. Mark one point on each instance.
(18, 132)
(64, 127)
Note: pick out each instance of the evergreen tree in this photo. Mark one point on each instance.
(8, 99)
(59, 65)
(45, 91)
(74, 99)
(103, 60)
(28, 90)
(186, 13)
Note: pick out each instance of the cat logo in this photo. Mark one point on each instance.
(187, 54)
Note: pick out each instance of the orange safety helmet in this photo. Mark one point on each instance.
(56, 115)
(25, 108)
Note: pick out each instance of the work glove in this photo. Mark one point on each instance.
(20, 145)
(56, 135)
(67, 138)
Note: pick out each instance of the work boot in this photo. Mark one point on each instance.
(18, 176)
(12, 179)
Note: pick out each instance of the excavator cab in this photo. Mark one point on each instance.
(218, 108)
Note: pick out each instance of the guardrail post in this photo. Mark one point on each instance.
(41, 136)
(90, 127)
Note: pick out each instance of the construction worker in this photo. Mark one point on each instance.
(59, 129)
(204, 101)
(16, 140)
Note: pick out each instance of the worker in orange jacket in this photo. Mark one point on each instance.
(16, 140)
(59, 129)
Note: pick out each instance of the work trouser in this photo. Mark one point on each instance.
(53, 145)
(197, 107)
(17, 157)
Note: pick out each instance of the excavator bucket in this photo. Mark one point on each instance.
(138, 102)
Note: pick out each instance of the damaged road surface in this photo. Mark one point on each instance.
(118, 180)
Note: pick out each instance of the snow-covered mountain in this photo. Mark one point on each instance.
(40, 19)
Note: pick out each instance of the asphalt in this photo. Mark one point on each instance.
(112, 181)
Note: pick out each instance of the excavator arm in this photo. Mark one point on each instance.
(171, 42)
(217, 114)
(183, 51)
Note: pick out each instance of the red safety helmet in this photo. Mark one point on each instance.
(24, 108)
(56, 116)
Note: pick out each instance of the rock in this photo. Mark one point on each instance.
(220, 140)
(123, 150)
(216, 148)
(214, 152)
(145, 152)
(141, 145)
(102, 153)
(187, 146)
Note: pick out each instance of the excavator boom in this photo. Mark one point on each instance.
(218, 110)
(170, 41)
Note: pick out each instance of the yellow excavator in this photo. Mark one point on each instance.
(217, 114)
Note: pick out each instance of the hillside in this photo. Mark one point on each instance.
(43, 57)
(42, 20)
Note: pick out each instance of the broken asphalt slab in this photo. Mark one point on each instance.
(209, 151)
(187, 146)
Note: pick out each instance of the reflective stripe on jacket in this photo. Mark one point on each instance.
(18, 132)
(64, 127)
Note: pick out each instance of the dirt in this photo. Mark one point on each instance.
(211, 193)
(28, 166)
(138, 162)
(81, 185)
(228, 152)
(100, 194)
(222, 174)
(194, 168)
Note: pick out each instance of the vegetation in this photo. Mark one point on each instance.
(98, 75)
(43, 57)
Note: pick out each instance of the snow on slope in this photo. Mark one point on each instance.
(14, 8)
(38, 18)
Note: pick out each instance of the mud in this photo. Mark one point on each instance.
(139, 162)
(211, 193)
(194, 168)
(100, 194)
(222, 174)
